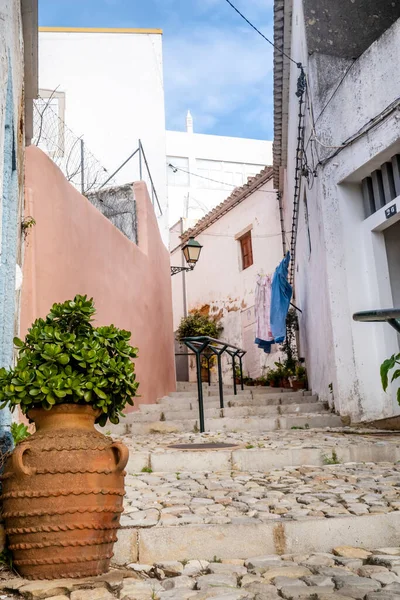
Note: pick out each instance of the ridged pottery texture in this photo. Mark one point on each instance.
(62, 495)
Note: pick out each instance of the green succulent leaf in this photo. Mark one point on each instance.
(65, 359)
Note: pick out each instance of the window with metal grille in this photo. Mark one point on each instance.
(246, 250)
(382, 186)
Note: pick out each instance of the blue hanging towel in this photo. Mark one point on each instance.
(264, 345)
(281, 295)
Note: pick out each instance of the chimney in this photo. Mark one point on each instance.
(189, 122)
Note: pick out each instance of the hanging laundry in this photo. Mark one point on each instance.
(281, 295)
(264, 338)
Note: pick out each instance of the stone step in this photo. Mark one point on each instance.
(236, 411)
(192, 387)
(155, 544)
(249, 457)
(252, 392)
(213, 401)
(231, 424)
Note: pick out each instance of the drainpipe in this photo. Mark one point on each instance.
(183, 278)
(279, 196)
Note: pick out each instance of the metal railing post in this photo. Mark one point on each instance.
(200, 392)
(140, 161)
(220, 382)
(240, 356)
(216, 347)
(198, 349)
(220, 378)
(234, 374)
(82, 167)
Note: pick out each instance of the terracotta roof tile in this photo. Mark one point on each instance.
(236, 197)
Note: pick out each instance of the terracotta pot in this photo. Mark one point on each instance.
(284, 383)
(62, 495)
(298, 385)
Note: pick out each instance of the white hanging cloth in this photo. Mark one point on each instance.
(263, 308)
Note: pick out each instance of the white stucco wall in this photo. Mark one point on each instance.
(114, 96)
(12, 138)
(11, 67)
(347, 269)
(218, 285)
(203, 195)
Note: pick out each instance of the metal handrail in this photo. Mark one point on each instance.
(202, 344)
(390, 315)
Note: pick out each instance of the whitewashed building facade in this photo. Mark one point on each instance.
(222, 284)
(341, 198)
(203, 169)
(107, 86)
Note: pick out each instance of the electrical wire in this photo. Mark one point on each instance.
(214, 180)
(395, 105)
(262, 35)
(336, 90)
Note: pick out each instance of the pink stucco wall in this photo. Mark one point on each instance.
(74, 249)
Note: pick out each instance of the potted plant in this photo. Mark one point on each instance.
(63, 486)
(299, 381)
(198, 324)
(274, 377)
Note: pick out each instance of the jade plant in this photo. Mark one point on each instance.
(64, 359)
(388, 365)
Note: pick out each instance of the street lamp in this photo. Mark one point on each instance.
(191, 251)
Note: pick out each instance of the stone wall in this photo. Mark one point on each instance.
(118, 205)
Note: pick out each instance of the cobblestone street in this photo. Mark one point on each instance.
(290, 493)
(345, 573)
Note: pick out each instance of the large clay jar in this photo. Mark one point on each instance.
(62, 495)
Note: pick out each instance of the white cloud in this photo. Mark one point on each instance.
(216, 71)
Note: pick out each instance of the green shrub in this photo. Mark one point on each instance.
(196, 324)
(64, 359)
(388, 365)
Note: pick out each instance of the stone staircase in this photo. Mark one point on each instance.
(277, 477)
(253, 409)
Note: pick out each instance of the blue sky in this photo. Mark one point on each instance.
(214, 63)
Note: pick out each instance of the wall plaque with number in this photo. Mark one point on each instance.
(392, 210)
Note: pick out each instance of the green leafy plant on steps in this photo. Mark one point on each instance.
(197, 324)
(331, 460)
(64, 359)
(387, 366)
(19, 432)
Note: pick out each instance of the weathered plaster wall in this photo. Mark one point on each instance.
(74, 249)
(11, 178)
(347, 29)
(118, 205)
(345, 270)
(114, 92)
(217, 285)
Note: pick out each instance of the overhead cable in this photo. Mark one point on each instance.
(262, 35)
(174, 168)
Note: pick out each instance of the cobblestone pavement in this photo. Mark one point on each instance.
(299, 438)
(345, 573)
(171, 499)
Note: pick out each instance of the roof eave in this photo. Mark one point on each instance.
(282, 41)
(237, 196)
